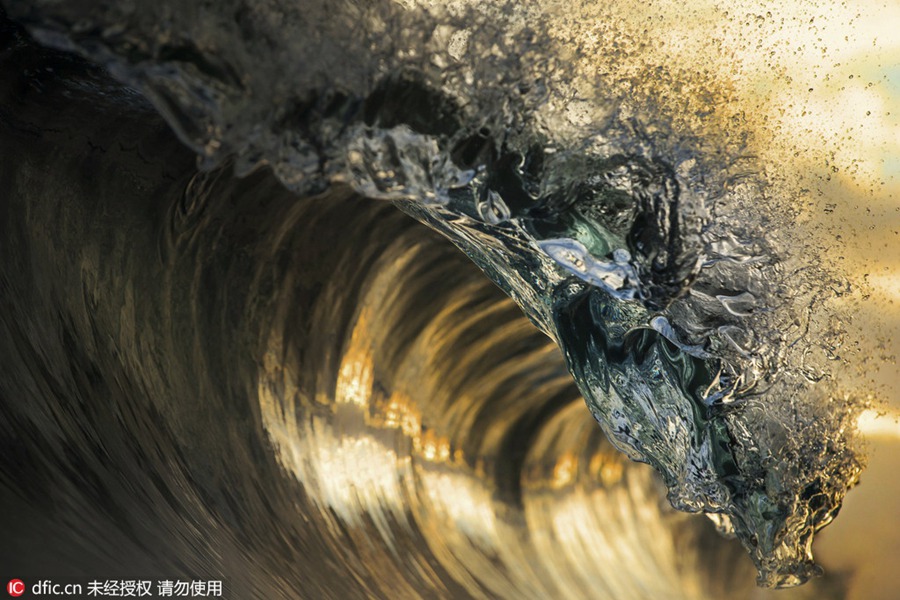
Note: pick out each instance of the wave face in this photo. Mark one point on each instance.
(650, 256)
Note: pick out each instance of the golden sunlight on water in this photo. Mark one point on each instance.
(410, 454)
(438, 440)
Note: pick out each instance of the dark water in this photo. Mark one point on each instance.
(279, 377)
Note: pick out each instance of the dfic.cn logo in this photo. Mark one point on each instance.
(15, 587)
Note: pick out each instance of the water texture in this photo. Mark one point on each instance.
(652, 256)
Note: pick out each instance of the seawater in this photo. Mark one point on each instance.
(652, 253)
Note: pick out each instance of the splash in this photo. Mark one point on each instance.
(647, 251)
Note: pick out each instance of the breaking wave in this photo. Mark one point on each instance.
(262, 354)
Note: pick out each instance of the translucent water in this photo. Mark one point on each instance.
(650, 255)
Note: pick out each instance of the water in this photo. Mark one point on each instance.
(651, 253)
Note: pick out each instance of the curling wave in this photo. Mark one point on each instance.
(332, 389)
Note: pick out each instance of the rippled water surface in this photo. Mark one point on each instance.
(229, 351)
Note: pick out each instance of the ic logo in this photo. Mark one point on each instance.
(15, 587)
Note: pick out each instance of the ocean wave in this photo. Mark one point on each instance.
(328, 387)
